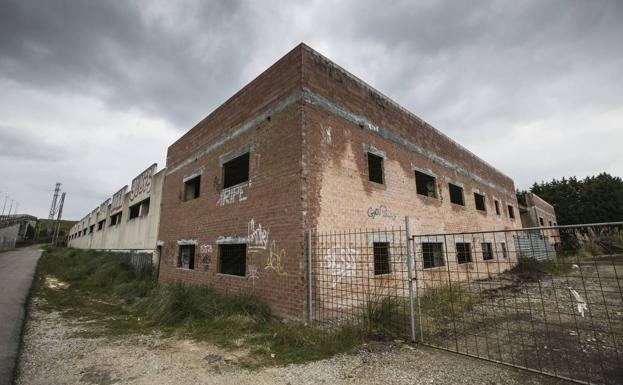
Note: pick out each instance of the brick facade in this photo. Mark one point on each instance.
(308, 126)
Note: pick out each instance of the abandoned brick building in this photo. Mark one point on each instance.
(308, 145)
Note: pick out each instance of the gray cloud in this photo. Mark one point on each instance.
(99, 89)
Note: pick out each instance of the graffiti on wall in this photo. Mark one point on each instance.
(275, 259)
(233, 193)
(340, 263)
(257, 236)
(253, 274)
(142, 183)
(117, 199)
(380, 212)
(205, 255)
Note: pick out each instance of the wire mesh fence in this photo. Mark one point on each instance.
(361, 278)
(546, 299)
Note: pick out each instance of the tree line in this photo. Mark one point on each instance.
(590, 200)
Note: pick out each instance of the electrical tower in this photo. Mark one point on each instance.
(57, 189)
(58, 220)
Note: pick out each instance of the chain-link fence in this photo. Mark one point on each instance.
(546, 299)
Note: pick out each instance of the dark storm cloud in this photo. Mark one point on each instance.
(15, 143)
(115, 50)
(92, 92)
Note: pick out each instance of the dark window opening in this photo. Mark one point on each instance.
(115, 219)
(504, 252)
(140, 209)
(100, 224)
(84, 232)
(463, 253)
(91, 228)
(236, 171)
(432, 255)
(497, 206)
(480, 202)
(511, 211)
(381, 258)
(487, 251)
(191, 188)
(233, 259)
(186, 257)
(144, 207)
(456, 194)
(425, 184)
(541, 222)
(375, 168)
(134, 211)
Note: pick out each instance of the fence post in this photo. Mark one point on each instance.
(308, 248)
(410, 275)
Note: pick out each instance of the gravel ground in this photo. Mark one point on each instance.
(53, 354)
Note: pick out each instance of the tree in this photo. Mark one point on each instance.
(591, 200)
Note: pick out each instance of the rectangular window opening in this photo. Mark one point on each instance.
(511, 211)
(186, 257)
(91, 228)
(541, 222)
(144, 207)
(192, 188)
(432, 254)
(236, 171)
(100, 224)
(381, 258)
(487, 251)
(425, 184)
(497, 207)
(375, 168)
(463, 252)
(115, 219)
(135, 210)
(480, 202)
(504, 251)
(456, 194)
(233, 259)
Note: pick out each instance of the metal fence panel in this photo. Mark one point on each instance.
(547, 300)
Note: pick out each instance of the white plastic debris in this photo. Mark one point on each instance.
(574, 266)
(580, 305)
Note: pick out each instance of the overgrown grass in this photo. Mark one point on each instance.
(105, 289)
(534, 268)
(441, 304)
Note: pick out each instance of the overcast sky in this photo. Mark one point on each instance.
(93, 92)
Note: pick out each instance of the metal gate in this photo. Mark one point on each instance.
(548, 300)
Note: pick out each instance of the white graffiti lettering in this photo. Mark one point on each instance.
(230, 194)
(205, 249)
(341, 263)
(257, 237)
(142, 183)
(253, 274)
(275, 258)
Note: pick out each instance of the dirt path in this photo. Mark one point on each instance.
(17, 269)
(53, 353)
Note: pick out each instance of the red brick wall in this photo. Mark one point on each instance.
(273, 197)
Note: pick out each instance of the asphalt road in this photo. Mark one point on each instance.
(17, 269)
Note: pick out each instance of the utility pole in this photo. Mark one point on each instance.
(53, 208)
(58, 220)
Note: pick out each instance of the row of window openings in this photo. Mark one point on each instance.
(232, 259)
(235, 171)
(140, 209)
(425, 185)
(542, 222)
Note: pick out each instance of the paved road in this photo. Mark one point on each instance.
(17, 269)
